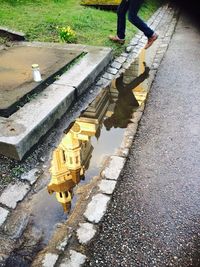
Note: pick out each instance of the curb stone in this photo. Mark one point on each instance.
(76, 260)
(13, 194)
(50, 260)
(103, 192)
(85, 232)
(113, 170)
(96, 208)
(107, 186)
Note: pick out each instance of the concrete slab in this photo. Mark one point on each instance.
(16, 72)
(25, 127)
(87, 69)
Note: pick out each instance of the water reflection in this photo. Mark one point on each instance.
(112, 108)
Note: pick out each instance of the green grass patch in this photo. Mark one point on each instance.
(40, 20)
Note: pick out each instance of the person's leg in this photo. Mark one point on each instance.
(121, 18)
(121, 22)
(134, 6)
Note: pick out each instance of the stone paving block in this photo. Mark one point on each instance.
(16, 225)
(116, 65)
(31, 176)
(134, 42)
(96, 208)
(112, 70)
(85, 232)
(108, 76)
(120, 59)
(13, 194)
(129, 48)
(113, 170)
(49, 260)
(107, 186)
(126, 65)
(103, 82)
(124, 54)
(76, 260)
(3, 215)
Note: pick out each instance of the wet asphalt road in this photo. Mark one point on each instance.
(154, 216)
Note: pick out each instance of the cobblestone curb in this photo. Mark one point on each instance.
(70, 250)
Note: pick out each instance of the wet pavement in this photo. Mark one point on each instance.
(154, 216)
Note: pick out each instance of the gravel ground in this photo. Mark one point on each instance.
(153, 219)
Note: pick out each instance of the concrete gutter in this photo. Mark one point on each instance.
(24, 128)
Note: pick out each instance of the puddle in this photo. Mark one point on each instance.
(86, 143)
(16, 72)
(93, 136)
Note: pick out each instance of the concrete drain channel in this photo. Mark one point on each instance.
(85, 146)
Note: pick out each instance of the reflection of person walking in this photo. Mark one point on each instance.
(132, 7)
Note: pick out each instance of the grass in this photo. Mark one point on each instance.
(38, 19)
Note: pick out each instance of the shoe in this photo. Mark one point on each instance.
(116, 39)
(151, 40)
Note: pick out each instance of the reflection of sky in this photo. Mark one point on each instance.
(104, 146)
(46, 212)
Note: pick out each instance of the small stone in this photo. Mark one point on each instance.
(13, 194)
(107, 186)
(62, 244)
(3, 215)
(76, 260)
(96, 208)
(85, 232)
(155, 66)
(42, 159)
(50, 260)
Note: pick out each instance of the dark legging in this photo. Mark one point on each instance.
(132, 6)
